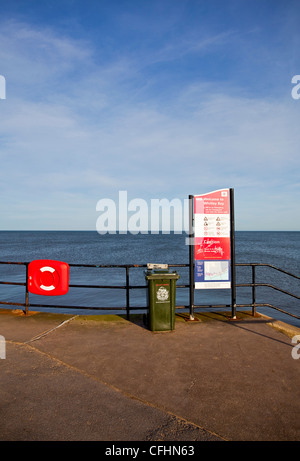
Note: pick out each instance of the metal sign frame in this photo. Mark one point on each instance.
(192, 254)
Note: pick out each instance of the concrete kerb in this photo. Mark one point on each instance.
(283, 327)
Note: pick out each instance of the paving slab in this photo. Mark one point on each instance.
(107, 378)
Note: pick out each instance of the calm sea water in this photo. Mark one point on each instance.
(281, 249)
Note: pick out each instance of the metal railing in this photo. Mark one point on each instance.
(128, 288)
(254, 284)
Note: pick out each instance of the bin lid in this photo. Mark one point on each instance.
(161, 275)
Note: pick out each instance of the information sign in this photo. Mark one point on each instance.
(212, 240)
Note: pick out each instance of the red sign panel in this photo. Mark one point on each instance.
(212, 248)
(47, 277)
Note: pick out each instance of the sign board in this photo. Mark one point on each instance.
(212, 252)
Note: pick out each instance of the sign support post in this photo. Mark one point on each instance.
(232, 254)
(191, 254)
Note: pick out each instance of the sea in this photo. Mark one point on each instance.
(280, 249)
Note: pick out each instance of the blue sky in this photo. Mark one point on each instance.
(161, 99)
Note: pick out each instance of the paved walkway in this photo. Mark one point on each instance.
(105, 378)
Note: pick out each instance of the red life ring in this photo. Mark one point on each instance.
(47, 277)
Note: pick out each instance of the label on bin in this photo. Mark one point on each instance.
(162, 293)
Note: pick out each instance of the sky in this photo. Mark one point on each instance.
(162, 99)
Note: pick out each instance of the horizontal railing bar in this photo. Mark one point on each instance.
(277, 308)
(131, 287)
(267, 285)
(119, 286)
(95, 286)
(13, 283)
(107, 266)
(109, 286)
(77, 307)
(101, 266)
(269, 265)
(145, 265)
(278, 289)
(204, 306)
(99, 286)
(12, 304)
(14, 262)
(57, 306)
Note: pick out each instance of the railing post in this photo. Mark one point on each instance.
(253, 290)
(127, 292)
(26, 292)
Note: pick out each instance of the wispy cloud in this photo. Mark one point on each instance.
(75, 128)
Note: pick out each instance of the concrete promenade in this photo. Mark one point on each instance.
(69, 378)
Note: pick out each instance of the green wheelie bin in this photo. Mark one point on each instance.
(161, 297)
